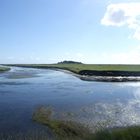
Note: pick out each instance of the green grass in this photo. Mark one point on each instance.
(69, 130)
(79, 67)
(3, 69)
(128, 133)
(61, 129)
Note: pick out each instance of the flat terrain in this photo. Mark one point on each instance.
(79, 67)
(92, 69)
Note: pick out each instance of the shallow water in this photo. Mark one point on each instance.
(96, 104)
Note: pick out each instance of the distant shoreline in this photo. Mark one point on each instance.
(92, 75)
(100, 78)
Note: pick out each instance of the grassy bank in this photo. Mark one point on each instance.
(67, 130)
(3, 69)
(91, 69)
(79, 67)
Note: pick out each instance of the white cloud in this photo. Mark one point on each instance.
(10, 58)
(129, 57)
(124, 14)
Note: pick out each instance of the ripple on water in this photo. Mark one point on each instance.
(8, 83)
(96, 104)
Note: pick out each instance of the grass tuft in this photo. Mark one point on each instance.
(61, 129)
(3, 69)
(69, 130)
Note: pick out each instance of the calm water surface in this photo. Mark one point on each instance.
(97, 104)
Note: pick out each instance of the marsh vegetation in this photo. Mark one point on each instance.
(61, 128)
(75, 131)
(77, 67)
(90, 69)
(3, 69)
(93, 72)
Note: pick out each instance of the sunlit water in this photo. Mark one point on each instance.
(96, 104)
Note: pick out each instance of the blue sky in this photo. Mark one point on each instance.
(91, 31)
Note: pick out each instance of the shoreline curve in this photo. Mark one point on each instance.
(98, 78)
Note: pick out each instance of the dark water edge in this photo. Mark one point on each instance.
(110, 73)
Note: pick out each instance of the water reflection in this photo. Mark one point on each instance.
(97, 104)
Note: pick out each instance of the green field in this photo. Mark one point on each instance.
(76, 68)
(2, 69)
